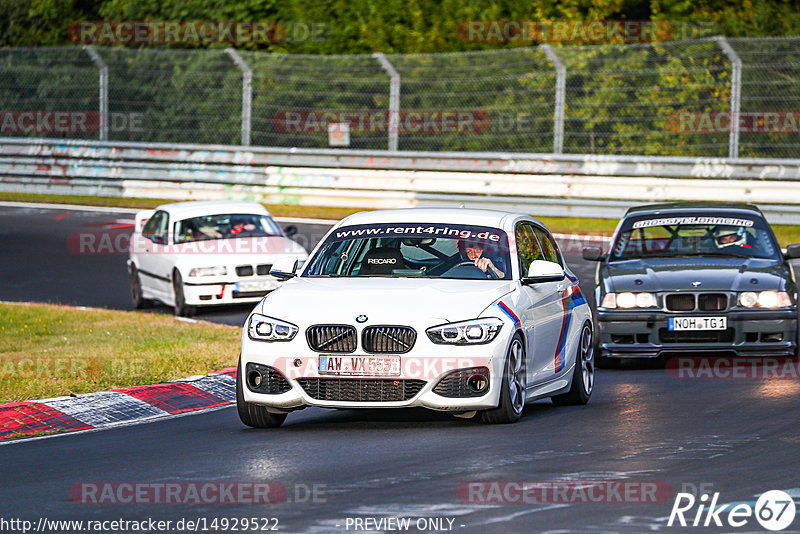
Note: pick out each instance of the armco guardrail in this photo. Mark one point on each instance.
(543, 184)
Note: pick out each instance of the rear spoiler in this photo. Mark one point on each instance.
(141, 219)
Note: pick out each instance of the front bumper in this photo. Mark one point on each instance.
(421, 370)
(645, 334)
(249, 290)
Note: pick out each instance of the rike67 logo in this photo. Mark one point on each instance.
(774, 510)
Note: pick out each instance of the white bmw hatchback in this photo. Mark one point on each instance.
(191, 254)
(472, 312)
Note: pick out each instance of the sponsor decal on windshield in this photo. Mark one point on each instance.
(669, 221)
(416, 230)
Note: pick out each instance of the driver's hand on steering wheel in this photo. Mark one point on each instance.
(485, 263)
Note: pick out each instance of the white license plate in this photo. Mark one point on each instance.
(697, 323)
(256, 285)
(330, 364)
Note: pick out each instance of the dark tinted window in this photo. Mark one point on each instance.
(690, 234)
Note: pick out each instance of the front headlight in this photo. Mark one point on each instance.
(765, 299)
(629, 300)
(472, 332)
(209, 271)
(263, 328)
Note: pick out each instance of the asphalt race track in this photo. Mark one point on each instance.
(77, 258)
(644, 426)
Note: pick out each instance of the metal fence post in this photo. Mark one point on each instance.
(736, 93)
(394, 99)
(101, 65)
(561, 90)
(247, 93)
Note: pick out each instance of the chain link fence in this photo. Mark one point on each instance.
(702, 98)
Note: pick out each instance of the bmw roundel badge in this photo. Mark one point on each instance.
(362, 318)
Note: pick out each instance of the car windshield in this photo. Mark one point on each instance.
(225, 226)
(412, 250)
(694, 235)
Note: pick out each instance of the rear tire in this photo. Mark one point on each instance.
(137, 299)
(582, 374)
(512, 392)
(181, 308)
(251, 414)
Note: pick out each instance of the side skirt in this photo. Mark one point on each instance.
(555, 386)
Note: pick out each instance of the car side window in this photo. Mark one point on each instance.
(156, 227)
(549, 248)
(528, 248)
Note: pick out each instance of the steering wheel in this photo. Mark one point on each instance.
(491, 274)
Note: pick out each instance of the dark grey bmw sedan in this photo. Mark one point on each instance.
(694, 277)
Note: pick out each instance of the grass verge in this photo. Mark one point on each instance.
(48, 351)
(786, 234)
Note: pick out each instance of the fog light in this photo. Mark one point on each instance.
(255, 379)
(478, 383)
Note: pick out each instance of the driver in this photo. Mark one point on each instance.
(475, 251)
(241, 225)
(727, 236)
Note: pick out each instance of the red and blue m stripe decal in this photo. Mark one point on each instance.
(572, 297)
(510, 314)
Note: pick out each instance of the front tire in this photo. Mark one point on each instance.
(181, 308)
(251, 414)
(512, 392)
(582, 374)
(137, 299)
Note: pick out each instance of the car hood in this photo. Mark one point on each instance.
(713, 274)
(237, 251)
(382, 300)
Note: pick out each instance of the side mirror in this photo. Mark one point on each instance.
(284, 268)
(542, 271)
(792, 252)
(593, 254)
(290, 230)
(141, 218)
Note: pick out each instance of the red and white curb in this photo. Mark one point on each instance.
(119, 406)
